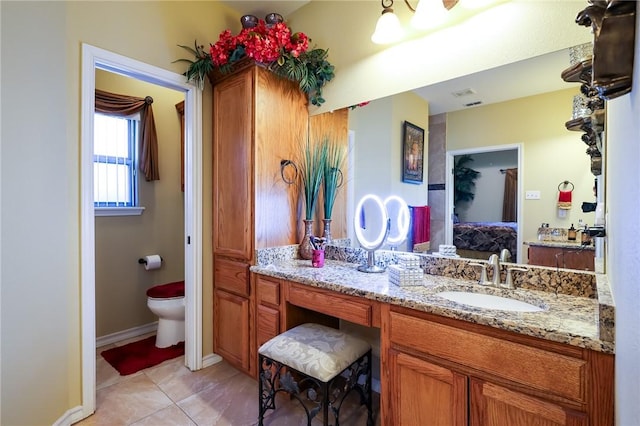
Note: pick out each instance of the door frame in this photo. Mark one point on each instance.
(95, 58)
(448, 222)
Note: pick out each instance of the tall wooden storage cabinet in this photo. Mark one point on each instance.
(259, 120)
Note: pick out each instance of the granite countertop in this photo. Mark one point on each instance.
(573, 320)
(560, 244)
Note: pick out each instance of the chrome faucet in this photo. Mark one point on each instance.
(495, 262)
(483, 272)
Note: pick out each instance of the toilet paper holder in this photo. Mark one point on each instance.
(143, 261)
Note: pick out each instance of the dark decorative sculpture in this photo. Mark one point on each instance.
(613, 23)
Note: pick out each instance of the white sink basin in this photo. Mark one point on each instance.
(488, 301)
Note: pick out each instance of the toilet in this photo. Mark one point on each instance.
(167, 302)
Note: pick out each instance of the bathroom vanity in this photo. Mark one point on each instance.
(562, 254)
(450, 364)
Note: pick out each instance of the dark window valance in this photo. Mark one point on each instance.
(122, 105)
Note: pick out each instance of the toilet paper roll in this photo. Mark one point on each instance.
(152, 261)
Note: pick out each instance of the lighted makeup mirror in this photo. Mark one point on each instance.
(372, 225)
(399, 220)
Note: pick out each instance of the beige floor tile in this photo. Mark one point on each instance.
(179, 383)
(106, 375)
(232, 403)
(170, 416)
(128, 401)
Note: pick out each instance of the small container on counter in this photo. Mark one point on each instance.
(317, 258)
(572, 233)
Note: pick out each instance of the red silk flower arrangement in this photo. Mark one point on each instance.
(282, 51)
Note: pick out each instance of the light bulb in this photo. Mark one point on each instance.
(388, 29)
(429, 13)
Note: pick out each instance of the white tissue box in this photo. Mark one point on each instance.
(408, 261)
(447, 250)
(405, 277)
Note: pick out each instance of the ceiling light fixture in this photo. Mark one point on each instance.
(427, 14)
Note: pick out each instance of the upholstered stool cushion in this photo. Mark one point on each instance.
(315, 350)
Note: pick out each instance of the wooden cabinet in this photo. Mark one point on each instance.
(424, 393)
(497, 405)
(259, 120)
(561, 257)
(442, 370)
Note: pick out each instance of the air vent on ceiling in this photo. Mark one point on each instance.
(463, 92)
(470, 104)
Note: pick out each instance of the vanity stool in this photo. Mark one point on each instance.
(317, 365)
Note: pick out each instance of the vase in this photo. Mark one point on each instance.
(326, 233)
(249, 21)
(305, 249)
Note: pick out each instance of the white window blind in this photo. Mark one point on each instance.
(114, 161)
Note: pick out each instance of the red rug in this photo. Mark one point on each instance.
(139, 355)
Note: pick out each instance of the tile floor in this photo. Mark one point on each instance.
(169, 394)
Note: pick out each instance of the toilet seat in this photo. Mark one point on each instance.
(167, 291)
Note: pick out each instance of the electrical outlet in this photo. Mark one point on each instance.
(532, 195)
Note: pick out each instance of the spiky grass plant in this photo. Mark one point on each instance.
(311, 171)
(335, 154)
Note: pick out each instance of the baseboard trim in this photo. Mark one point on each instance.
(211, 359)
(73, 415)
(126, 334)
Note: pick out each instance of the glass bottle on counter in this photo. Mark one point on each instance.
(571, 234)
(586, 238)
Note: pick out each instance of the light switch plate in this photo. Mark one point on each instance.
(532, 195)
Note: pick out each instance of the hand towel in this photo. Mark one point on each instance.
(564, 200)
(420, 224)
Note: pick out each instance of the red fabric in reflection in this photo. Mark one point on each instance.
(420, 224)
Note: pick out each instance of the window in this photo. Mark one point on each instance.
(114, 164)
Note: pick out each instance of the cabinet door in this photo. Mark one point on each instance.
(232, 167)
(426, 394)
(231, 328)
(268, 324)
(493, 405)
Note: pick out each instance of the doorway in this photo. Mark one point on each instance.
(484, 151)
(94, 58)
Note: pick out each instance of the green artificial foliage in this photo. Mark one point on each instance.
(311, 70)
(464, 179)
(200, 67)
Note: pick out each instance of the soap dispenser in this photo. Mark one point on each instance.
(571, 235)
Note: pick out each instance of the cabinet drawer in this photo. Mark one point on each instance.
(540, 369)
(231, 276)
(268, 324)
(268, 291)
(343, 307)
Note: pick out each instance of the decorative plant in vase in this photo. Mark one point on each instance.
(275, 46)
(311, 172)
(335, 154)
(464, 179)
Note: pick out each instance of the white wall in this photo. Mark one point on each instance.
(623, 229)
(377, 153)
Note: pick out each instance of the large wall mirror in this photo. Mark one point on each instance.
(511, 117)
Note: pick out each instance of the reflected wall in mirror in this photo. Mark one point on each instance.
(550, 153)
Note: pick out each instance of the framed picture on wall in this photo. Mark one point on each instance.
(412, 153)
